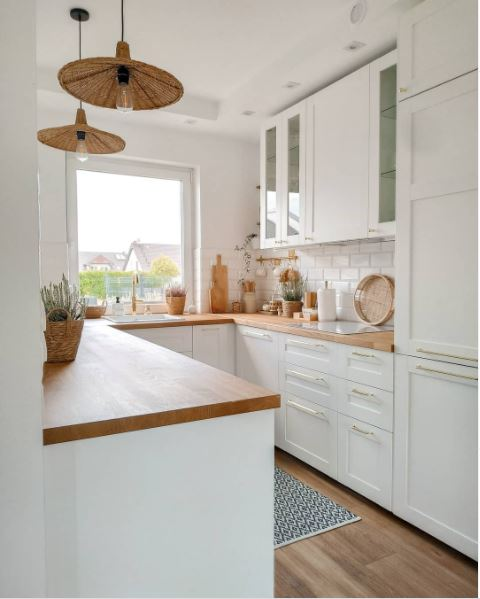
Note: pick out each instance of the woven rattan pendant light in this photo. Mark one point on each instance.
(80, 137)
(101, 81)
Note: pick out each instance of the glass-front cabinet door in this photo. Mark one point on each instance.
(270, 184)
(293, 209)
(383, 139)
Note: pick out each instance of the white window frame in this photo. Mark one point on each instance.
(122, 166)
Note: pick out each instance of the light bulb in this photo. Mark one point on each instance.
(124, 101)
(81, 151)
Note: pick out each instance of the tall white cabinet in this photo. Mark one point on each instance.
(435, 442)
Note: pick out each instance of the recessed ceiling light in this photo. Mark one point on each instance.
(190, 122)
(355, 45)
(248, 112)
(358, 12)
(291, 84)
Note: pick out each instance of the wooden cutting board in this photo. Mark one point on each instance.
(219, 289)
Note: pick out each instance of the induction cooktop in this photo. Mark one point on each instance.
(342, 327)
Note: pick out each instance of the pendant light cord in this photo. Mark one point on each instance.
(123, 26)
(80, 46)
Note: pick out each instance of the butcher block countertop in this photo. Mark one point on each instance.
(120, 383)
(382, 341)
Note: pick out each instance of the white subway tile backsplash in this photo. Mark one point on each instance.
(381, 259)
(344, 265)
(323, 261)
(349, 274)
(360, 260)
(331, 274)
(341, 260)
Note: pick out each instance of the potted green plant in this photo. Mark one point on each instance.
(176, 296)
(292, 286)
(64, 315)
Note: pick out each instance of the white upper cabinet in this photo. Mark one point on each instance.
(382, 153)
(282, 184)
(339, 123)
(437, 42)
(270, 183)
(436, 253)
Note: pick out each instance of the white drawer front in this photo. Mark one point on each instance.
(367, 366)
(311, 433)
(371, 405)
(178, 339)
(310, 353)
(312, 385)
(365, 460)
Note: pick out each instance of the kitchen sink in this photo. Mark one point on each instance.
(125, 318)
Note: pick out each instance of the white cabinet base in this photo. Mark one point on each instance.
(435, 485)
(311, 433)
(365, 459)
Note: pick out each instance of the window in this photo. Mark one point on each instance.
(126, 218)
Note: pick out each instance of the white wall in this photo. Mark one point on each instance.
(22, 553)
(226, 174)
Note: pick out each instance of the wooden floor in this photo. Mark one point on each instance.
(380, 556)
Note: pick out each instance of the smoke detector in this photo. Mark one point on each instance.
(358, 12)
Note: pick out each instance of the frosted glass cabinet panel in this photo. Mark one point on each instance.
(294, 180)
(383, 133)
(270, 188)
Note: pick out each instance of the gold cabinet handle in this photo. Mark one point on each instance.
(297, 406)
(403, 90)
(308, 377)
(435, 371)
(295, 341)
(359, 430)
(308, 238)
(420, 350)
(358, 353)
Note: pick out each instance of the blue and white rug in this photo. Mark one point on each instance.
(302, 512)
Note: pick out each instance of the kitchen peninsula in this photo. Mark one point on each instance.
(136, 506)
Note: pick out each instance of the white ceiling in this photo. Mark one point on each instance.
(231, 55)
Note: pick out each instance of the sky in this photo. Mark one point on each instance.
(114, 210)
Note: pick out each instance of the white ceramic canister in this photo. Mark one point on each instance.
(249, 302)
(327, 303)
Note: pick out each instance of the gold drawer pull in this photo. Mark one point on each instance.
(359, 430)
(358, 353)
(437, 353)
(306, 376)
(362, 393)
(434, 370)
(297, 406)
(305, 343)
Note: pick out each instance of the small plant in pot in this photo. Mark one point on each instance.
(176, 296)
(292, 286)
(64, 314)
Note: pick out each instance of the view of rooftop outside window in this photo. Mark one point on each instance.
(128, 224)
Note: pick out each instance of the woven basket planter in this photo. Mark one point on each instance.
(288, 308)
(62, 337)
(176, 305)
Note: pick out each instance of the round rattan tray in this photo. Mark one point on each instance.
(374, 298)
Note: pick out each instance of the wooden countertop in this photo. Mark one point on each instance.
(382, 341)
(120, 383)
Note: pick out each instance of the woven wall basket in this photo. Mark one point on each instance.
(65, 138)
(62, 337)
(94, 80)
(374, 298)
